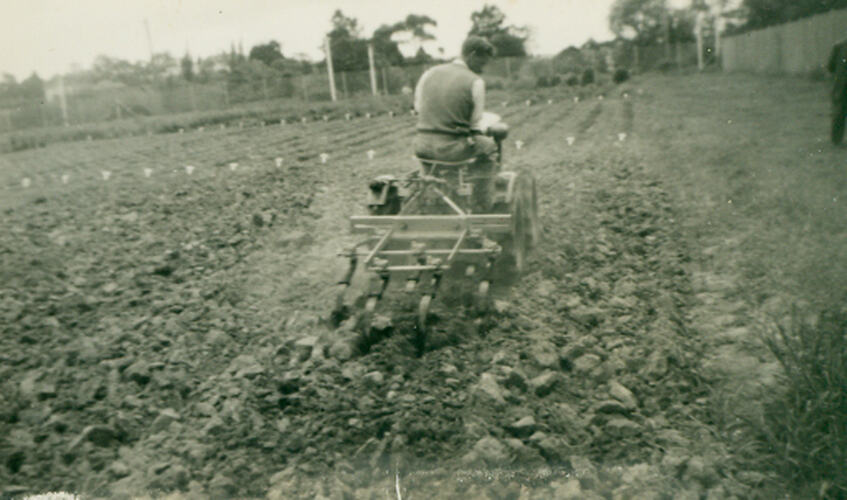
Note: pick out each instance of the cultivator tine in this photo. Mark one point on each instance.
(482, 297)
(481, 303)
(423, 311)
(419, 250)
(339, 313)
(412, 283)
(378, 286)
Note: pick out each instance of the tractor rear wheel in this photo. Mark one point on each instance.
(523, 207)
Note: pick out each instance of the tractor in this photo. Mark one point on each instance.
(428, 228)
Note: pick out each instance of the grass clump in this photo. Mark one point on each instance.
(804, 427)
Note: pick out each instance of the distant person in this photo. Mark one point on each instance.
(838, 66)
(450, 100)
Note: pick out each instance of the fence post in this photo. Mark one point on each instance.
(372, 68)
(699, 32)
(305, 87)
(344, 84)
(717, 29)
(191, 97)
(329, 70)
(384, 82)
(62, 101)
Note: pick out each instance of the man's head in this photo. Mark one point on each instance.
(476, 52)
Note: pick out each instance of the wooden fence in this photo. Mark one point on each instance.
(799, 47)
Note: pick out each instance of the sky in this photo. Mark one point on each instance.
(53, 36)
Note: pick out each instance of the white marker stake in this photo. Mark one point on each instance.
(25, 182)
(282, 122)
(622, 136)
(106, 174)
(182, 130)
(88, 138)
(371, 154)
(233, 166)
(303, 120)
(201, 129)
(575, 98)
(223, 126)
(189, 169)
(504, 103)
(347, 116)
(528, 103)
(571, 140)
(278, 162)
(324, 157)
(240, 124)
(326, 118)
(412, 112)
(599, 97)
(148, 172)
(518, 144)
(391, 114)
(65, 178)
(626, 95)
(549, 101)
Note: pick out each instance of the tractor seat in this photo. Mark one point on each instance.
(428, 162)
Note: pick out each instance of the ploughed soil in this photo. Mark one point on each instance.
(166, 332)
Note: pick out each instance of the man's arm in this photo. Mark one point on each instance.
(419, 90)
(478, 96)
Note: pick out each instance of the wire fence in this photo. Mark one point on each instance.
(107, 101)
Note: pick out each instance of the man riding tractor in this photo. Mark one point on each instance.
(450, 100)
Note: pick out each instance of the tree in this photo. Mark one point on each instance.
(110, 68)
(509, 41)
(487, 22)
(349, 52)
(32, 88)
(413, 29)
(386, 52)
(187, 67)
(161, 66)
(268, 53)
(421, 57)
(343, 26)
(642, 21)
(569, 60)
(416, 25)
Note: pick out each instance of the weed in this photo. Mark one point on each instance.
(804, 428)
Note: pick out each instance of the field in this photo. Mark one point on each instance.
(164, 330)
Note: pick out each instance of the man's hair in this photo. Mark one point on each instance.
(477, 45)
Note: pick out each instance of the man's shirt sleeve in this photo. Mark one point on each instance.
(478, 95)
